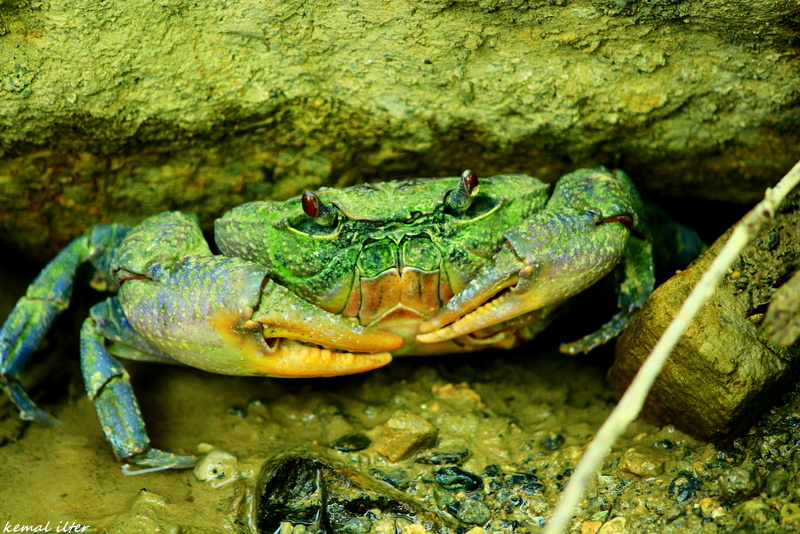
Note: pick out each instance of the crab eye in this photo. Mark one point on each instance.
(469, 181)
(460, 198)
(322, 213)
(311, 204)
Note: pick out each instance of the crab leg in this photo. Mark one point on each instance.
(552, 256)
(45, 298)
(109, 388)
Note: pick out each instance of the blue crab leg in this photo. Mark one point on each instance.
(109, 388)
(45, 298)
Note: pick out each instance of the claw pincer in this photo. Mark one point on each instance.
(553, 255)
(225, 315)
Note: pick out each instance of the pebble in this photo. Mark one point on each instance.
(754, 511)
(404, 434)
(456, 479)
(351, 443)
(395, 477)
(471, 511)
(216, 466)
(357, 525)
(643, 461)
(683, 487)
(553, 442)
(528, 483)
(777, 482)
(790, 514)
(442, 457)
(614, 526)
(741, 483)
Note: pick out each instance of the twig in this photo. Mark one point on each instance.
(632, 401)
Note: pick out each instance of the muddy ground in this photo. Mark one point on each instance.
(522, 417)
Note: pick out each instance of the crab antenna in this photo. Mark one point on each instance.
(322, 213)
(459, 199)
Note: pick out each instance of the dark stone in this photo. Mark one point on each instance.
(456, 479)
(351, 443)
(307, 488)
(553, 442)
(683, 487)
(527, 483)
(442, 457)
(396, 477)
(471, 510)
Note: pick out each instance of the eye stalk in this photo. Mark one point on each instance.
(323, 214)
(459, 199)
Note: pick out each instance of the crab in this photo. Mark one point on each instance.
(334, 282)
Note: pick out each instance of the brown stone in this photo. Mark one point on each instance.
(722, 374)
(404, 434)
(643, 461)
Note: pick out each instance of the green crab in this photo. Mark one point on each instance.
(334, 282)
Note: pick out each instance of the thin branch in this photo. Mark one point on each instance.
(632, 401)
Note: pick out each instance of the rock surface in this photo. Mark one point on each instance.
(119, 110)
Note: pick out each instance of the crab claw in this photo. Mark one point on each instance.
(225, 315)
(550, 257)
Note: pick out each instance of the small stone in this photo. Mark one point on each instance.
(384, 526)
(777, 482)
(477, 530)
(591, 527)
(357, 525)
(740, 483)
(403, 435)
(413, 528)
(553, 442)
(790, 514)
(614, 526)
(458, 391)
(456, 479)
(471, 511)
(643, 461)
(528, 483)
(755, 511)
(683, 487)
(442, 457)
(217, 467)
(395, 477)
(351, 443)
(708, 504)
(443, 498)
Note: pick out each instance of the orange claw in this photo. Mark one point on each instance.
(295, 339)
(295, 360)
(250, 326)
